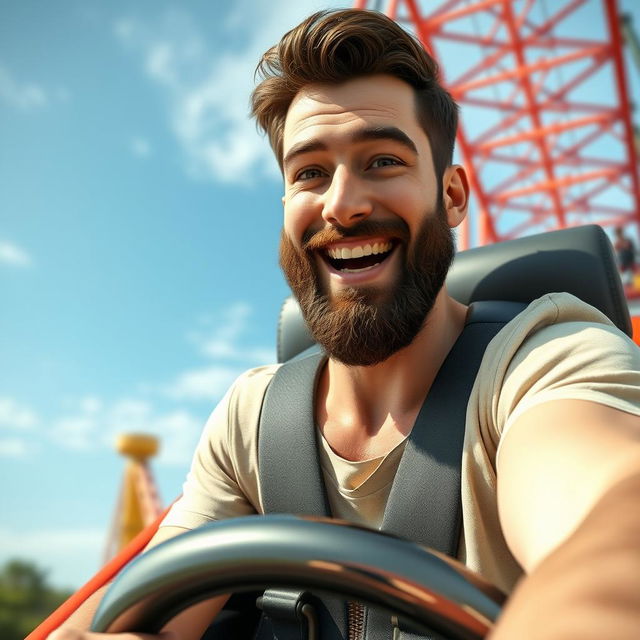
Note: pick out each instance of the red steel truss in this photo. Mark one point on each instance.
(546, 132)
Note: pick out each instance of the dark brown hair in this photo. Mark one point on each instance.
(336, 46)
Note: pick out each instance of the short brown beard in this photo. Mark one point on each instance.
(362, 326)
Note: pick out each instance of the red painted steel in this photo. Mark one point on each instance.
(546, 131)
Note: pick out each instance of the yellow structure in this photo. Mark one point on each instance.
(138, 504)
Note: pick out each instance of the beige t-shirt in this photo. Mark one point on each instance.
(557, 348)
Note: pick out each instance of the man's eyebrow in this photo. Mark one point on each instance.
(303, 147)
(364, 135)
(385, 133)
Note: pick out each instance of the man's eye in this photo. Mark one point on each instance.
(385, 161)
(309, 174)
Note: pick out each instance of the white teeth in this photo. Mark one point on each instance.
(360, 251)
(383, 247)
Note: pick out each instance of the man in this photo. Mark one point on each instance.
(626, 254)
(364, 135)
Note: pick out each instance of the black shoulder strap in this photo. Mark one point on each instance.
(289, 466)
(291, 479)
(429, 472)
(424, 504)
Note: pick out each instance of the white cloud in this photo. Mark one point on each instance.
(17, 420)
(95, 424)
(207, 97)
(178, 432)
(14, 448)
(160, 63)
(90, 423)
(16, 416)
(14, 256)
(129, 415)
(76, 432)
(140, 147)
(27, 96)
(222, 333)
(91, 404)
(208, 91)
(207, 383)
(220, 338)
(124, 29)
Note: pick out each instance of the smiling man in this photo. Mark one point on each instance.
(366, 241)
(364, 135)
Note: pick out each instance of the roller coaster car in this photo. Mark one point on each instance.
(424, 590)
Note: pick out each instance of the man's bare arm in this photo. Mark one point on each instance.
(568, 482)
(188, 625)
(589, 587)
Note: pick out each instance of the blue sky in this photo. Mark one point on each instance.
(139, 220)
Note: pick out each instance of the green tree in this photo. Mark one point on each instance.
(25, 598)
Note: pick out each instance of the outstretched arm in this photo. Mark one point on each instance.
(568, 486)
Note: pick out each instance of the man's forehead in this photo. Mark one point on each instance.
(368, 100)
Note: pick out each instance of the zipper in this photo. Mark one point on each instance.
(355, 617)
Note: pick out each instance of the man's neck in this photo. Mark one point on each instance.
(364, 412)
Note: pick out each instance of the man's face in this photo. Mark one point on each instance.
(365, 245)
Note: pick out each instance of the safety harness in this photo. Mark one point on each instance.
(424, 503)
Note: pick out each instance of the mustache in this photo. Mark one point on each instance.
(314, 240)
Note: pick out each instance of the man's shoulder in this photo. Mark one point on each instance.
(257, 374)
(240, 407)
(576, 331)
(557, 342)
(558, 348)
(554, 309)
(253, 382)
(553, 324)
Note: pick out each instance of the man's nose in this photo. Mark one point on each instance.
(346, 201)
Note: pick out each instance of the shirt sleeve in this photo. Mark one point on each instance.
(213, 489)
(571, 360)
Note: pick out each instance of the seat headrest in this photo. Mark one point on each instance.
(579, 260)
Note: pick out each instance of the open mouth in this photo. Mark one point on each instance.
(359, 258)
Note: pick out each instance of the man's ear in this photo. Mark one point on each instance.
(455, 194)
